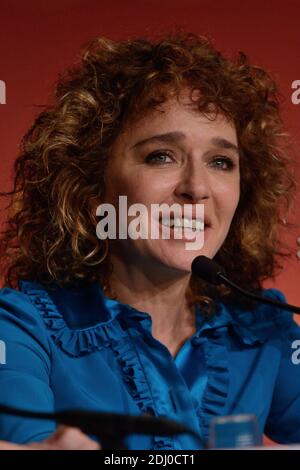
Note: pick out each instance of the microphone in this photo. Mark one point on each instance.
(212, 273)
(110, 428)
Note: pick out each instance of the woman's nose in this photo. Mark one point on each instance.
(193, 185)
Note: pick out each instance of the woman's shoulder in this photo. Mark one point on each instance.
(14, 303)
(33, 299)
(78, 317)
(263, 322)
(21, 323)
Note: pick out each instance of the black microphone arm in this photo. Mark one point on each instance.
(109, 428)
(211, 272)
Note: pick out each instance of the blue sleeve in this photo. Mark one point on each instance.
(24, 368)
(283, 423)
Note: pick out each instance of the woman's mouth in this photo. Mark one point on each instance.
(181, 223)
(186, 229)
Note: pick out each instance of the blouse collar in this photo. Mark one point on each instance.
(86, 307)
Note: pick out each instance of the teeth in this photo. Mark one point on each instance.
(179, 222)
(168, 222)
(199, 224)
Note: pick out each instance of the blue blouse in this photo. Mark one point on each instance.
(75, 348)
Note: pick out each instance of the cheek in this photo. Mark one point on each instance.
(227, 199)
(154, 189)
(232, 205)
(140, 187)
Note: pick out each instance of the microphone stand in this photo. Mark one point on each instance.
(213, 273)
(109, 428)
(258, 298)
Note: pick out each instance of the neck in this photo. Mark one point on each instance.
(162, 297)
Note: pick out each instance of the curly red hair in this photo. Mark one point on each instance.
(50, 234)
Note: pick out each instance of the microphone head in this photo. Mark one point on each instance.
(207, 269)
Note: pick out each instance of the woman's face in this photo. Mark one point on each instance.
(175, 155)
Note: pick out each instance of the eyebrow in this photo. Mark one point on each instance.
(173, 137)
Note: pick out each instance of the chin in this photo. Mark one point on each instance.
(177, 257)
(182, 261)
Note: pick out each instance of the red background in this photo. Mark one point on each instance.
(39, 38)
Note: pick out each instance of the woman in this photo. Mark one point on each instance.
(120, 325)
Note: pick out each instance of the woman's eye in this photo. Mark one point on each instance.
(223, 163)
(159, 158)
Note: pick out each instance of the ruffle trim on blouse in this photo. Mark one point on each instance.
(103, 335)
(250, 327)
(134, 377)
(73, 342)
